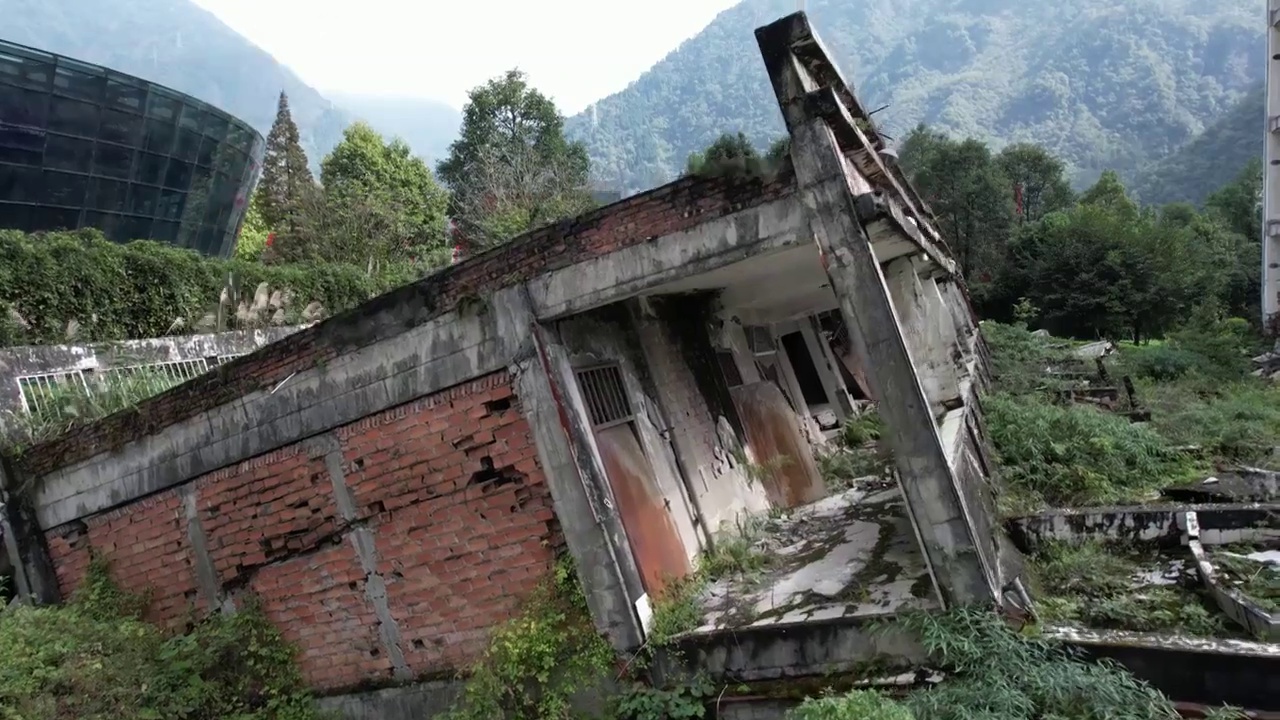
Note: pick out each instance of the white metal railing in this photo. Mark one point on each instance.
(39, 390)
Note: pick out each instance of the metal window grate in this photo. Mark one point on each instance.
(605, 395)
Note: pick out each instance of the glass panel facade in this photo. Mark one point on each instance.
(85, 146)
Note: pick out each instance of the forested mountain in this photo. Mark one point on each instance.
(178, 44)
(1102, 83)
(1209, 160)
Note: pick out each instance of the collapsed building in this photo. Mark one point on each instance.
(618, 386)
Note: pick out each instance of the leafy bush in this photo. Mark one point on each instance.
(95, 659)
(1076, 455)
(1237, 421)
(855, 705)
(144, 289)
(997, 674)
(538, 661)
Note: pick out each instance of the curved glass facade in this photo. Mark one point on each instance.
(85, 146)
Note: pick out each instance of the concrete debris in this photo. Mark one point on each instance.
(1267, 365)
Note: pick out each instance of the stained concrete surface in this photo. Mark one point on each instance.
(850, 555)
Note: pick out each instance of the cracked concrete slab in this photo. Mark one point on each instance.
(850, 555)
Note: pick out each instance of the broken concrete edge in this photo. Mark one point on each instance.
(859, 647)
(1241, 673)
(1245, 611)
(1162, 525)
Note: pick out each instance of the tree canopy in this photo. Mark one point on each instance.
(511, 168)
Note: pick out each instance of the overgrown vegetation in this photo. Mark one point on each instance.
(994, 672)
(57, 409)
(1259, 581)
(1106, 587)
(77, 286)
(856, 453)
(733, 156)
(96, 658)
(1205, 408)
(537, 662)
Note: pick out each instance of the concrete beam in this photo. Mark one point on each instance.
(932, 490)
(923, 319)
(635, 269)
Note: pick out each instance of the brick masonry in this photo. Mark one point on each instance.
(386, 549)
(674, 207)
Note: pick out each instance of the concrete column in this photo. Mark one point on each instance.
(579, 490)
(734, 337)
(828, 372)
(923, 320)
(24, 544)
(787, 374)
(931, 488)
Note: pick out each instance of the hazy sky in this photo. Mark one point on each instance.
(576, 51)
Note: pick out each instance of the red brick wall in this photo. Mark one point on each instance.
(678, 206)
(458, 544)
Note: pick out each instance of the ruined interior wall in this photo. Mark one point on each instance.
(704, 422)
(385, 549)
(608, 335)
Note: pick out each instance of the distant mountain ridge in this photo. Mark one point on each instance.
(1103, 83)
(428, 126)
(1209, 160)
(183, 46)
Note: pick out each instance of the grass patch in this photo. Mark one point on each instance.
(69, 404)
(1100, 586)
(1196, 385)
(857, 453)
(96, 658)
(1077, 455)
(1259, 581)
(1233, 421)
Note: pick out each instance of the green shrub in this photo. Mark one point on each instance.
(994, 673)
(1076, 455)
(1237, 421)
(1162, 363)
(855, 705)
(147, 289)
(95, 659)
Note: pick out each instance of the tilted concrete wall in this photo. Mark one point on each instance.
(383, 549)
(332, 472)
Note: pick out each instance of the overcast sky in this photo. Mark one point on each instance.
(576, 51)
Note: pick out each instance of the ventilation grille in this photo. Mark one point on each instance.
(605, 395)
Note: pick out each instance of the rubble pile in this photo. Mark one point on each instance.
(1267, 365)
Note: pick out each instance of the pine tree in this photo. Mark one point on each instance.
(286, 179)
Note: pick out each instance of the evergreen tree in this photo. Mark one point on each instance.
(286, 179)
(511, 168)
